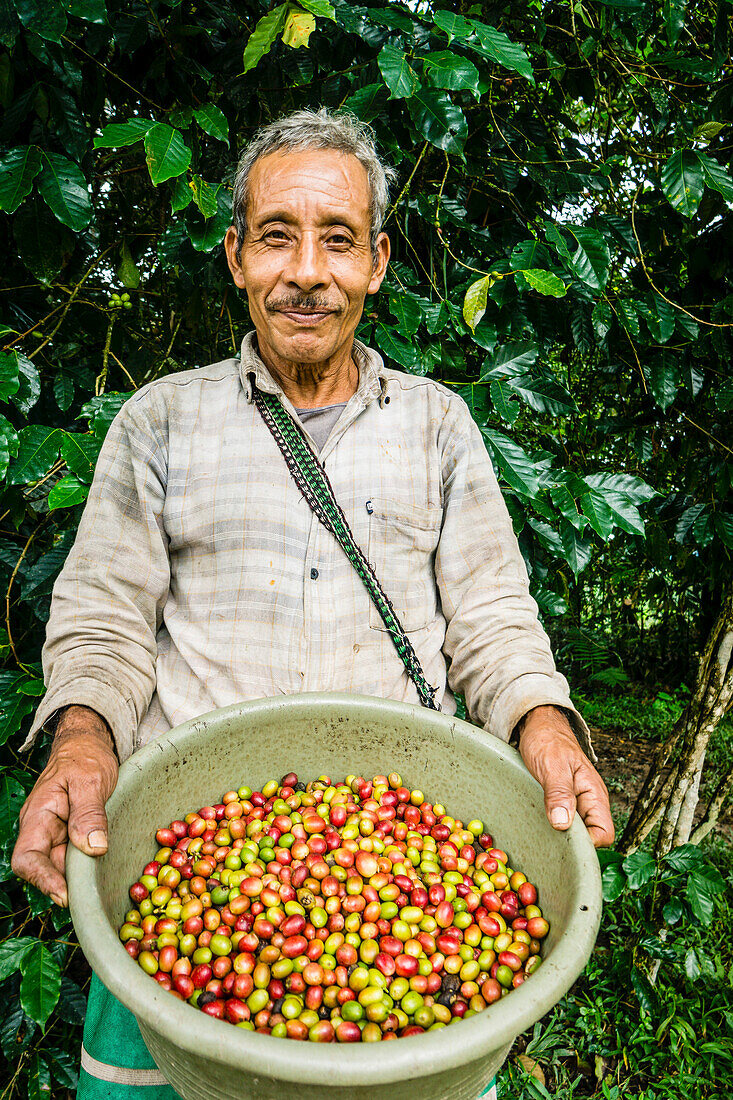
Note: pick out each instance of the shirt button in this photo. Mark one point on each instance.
(314, 574)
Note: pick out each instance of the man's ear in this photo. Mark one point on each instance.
(380, 263)
(230, 247)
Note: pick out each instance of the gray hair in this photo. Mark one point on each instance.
(322, 129)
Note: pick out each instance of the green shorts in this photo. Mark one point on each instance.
(116, 1064)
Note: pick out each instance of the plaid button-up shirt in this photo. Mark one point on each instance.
(200, 577)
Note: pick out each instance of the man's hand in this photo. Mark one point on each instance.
(67, 802)
(554, 757)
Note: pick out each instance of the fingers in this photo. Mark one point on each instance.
(35, 857)
(594, 807)
(87, 819)
(560, 800)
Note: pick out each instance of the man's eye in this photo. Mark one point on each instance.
(339, 238)
(276, 233)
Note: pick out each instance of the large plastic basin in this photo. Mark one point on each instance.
(453, 762)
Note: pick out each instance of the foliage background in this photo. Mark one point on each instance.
(566, 163)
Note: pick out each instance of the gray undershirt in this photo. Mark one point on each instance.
(319, 422)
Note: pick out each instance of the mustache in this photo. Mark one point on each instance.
(306, 302)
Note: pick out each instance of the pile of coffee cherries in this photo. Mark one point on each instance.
(351, 912)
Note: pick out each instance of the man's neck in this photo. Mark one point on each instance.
(313, 385)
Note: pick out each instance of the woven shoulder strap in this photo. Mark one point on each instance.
(312, 480)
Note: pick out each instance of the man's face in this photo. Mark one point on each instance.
(306, 263)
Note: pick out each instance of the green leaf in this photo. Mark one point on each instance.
(701, 896)
(67, 492)
(94, 11)
(38, 448)
(591, 260)
(18, 169)
(43, 243)
(166, 153)
(30, 385)
(367, 102)
(62, 1063)
(613, 882)
(600, 516)
(438, 119)
(683, 181)
(80, 452)
(13, 951)
(41, 984)
(496, 46)
(545, 282)
(46, 18)
(212, 121)
(12, 797)
(397, 349)
(321, 8)
(644, 991)
(401, 80)
(204, 195)
(181, 194)
(544, 394)
(640, 868)
(673, 911)
(474, 303)
(407, 311)
(511, 359)
(9, 378)
(63, 187)
(39, 1078)
(8, 443)
(127, 272)
(716, 176)
(100, 412)
(455, 26)
(207, 234)
(692, 965)
(445, 69)
(501, 399)
(260, 41)
(674, 19)
(119, 134)
(14, 707)
(578, 551)
(664, 381)
(512, 462)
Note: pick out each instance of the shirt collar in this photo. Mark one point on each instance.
(372, 372)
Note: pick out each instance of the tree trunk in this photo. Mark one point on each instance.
(672, 799)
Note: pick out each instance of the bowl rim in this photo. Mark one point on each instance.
(239, 1049)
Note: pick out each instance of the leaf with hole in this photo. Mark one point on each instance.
(18, 168)
(438, 119)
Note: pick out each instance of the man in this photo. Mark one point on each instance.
(200, 577)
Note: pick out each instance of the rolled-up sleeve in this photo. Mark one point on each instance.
(108, 600)
(499, 656)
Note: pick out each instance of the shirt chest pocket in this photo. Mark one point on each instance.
(402, 542)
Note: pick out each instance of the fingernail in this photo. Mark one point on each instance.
(559, 815)
(97, 839)
(58, 901)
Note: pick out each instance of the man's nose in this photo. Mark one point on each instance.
(308, 264)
